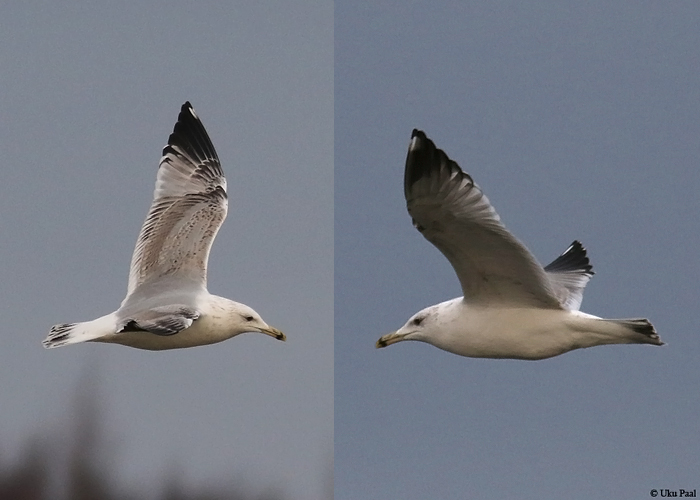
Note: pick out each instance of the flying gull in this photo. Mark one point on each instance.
(167, 305)
(512, 307)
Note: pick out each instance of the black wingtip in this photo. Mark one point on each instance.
(187, 112)
(190, 135)
(419, 141)
(418, 133)
(423, 158)
(187, 117)
(573, 260)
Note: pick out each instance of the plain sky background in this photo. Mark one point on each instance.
(580, 120)
(89, 96)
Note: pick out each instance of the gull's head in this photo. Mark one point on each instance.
(243, 319)
(252, 322)
(422, 326)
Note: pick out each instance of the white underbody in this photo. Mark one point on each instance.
(208, 329)
(218, 320)
(519, 333)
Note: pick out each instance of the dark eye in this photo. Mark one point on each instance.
(417, 321)
(249, 318)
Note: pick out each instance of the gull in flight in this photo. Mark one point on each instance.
(167, 305)
(512, 307)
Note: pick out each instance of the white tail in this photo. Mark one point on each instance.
(642, 327)
(73, 333)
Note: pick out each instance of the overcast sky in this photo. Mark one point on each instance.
(89, 97)
(580, 121)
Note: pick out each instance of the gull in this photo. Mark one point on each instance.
(512, 307)
(167, 305)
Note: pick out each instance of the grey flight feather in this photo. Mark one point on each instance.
(452, 212)
(189, 206)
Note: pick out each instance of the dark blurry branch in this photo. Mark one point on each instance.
(86, 460)
(28, 479)
(82, 467)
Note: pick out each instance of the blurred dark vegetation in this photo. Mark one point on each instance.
(80, 468)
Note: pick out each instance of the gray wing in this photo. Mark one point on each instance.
(164, 320)
(189, 206)
(452, 212)
(569, 273)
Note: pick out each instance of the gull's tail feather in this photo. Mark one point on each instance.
(73, 333)
(61, 335)
(642, 327)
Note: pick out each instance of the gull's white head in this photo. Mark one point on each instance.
(239, 318)
(424, 326)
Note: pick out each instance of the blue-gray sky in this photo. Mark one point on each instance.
(580, 121)
(89, 96)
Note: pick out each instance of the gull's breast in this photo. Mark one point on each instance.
(519, 333)
(207, 329)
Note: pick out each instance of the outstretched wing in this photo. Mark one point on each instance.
(452, 212)
(189, 206)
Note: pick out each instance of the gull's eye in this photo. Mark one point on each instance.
(249, 318)
(417, 321)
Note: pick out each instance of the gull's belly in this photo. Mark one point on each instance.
(207, 329)
(510, 333)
